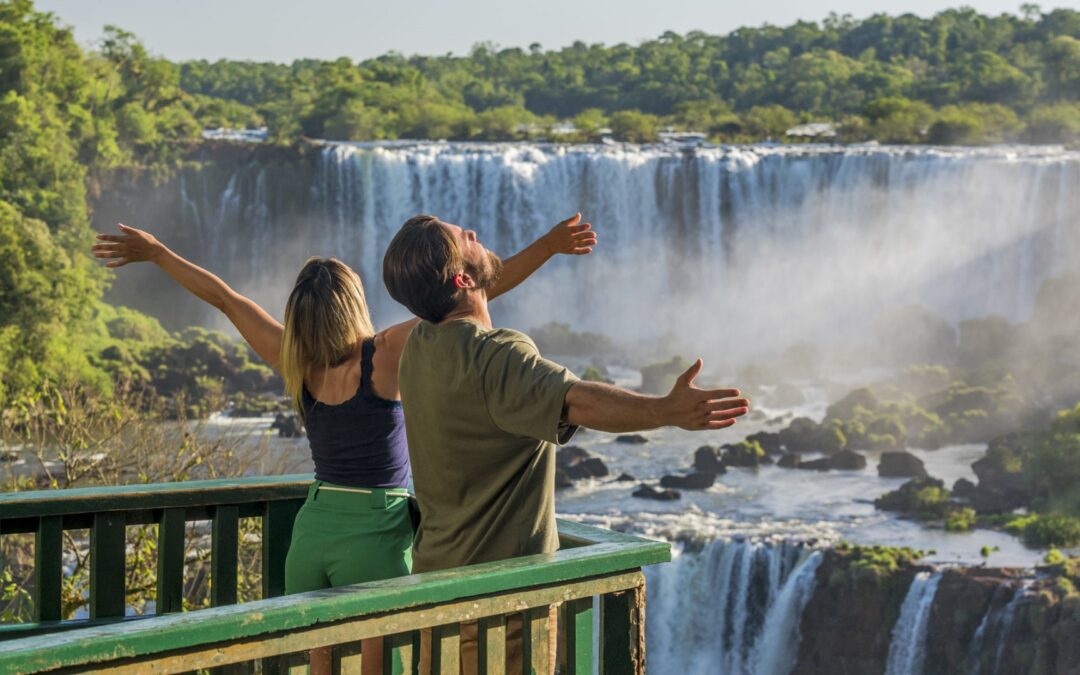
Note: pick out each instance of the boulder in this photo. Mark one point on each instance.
(769, 442)
(649, 492)
(901, 464)
(746, 453)
(1002, 486)
(805, 435)
(631, 439)
(790, 460)
(815, 465)
(708, 459)
(562, 480)
(577, 463)
(691, 481)
(625, 478)
(963, 489)
(847, 460)
(288, 426)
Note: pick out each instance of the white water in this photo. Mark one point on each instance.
(731, 608)
(907, 651)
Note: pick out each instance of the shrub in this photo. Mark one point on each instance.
(1053, 530)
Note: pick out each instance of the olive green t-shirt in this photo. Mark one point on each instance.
(483, 414)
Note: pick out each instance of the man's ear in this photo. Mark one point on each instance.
(463, 281)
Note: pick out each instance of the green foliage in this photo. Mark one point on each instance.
(960, 520)
(747, 85)
(924, 498)
(1059, 123)
(875, 562)
(634, 126)
(1053, 530)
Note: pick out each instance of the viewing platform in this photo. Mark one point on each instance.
(596, 569)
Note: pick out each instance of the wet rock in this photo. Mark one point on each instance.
(692, 481)
(288, 426)
(815, 465)
(847, 460)
(901, 464)
(631, 439)
(709, 459)
(747, 453)
(769, 442)
(925, 498)
(790, 460)
(804, 435)
(1002, 486)
(649, 492)
(625, 478)
(963, 489)
(8, 456)
(562, 480)
(577, 463)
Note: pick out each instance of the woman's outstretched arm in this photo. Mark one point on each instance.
(570, 237)
(262, 331)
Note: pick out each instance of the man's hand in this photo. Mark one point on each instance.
(131, 246)
(571, 237)
(696, 409)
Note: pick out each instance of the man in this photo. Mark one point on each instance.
(484, 411)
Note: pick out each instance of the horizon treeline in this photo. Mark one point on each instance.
(956, 77)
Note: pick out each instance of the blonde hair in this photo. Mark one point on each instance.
(326, 317)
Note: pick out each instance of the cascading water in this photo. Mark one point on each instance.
(732, 608)
(988, 644)
(762, 246)
(907, 651)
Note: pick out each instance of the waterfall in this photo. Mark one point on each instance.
(907, 651)
(762, 246)
(994, 630)
(732, 608)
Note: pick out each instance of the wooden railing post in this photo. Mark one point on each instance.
(48, 568)
(491, 645)
(224, 555)
(108, 596)
(577, 626)
(622, 632)
(277, 527)
(170, 562)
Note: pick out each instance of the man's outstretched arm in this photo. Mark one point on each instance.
(570, 237)
(606, 408)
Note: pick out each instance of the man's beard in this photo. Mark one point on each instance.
(488, 273)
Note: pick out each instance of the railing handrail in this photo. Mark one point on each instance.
(601, 553)
(142, 496)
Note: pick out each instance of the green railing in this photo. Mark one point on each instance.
(276, 633)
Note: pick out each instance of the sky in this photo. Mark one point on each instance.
(284, 30)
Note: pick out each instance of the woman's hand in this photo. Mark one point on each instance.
(571, 237)
(130, 246)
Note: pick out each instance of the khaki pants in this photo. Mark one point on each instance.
(514, 645)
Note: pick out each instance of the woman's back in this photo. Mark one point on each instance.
(357, 436)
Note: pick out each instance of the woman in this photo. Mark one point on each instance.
(342, 378)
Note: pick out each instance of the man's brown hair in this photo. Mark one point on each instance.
(419, 268)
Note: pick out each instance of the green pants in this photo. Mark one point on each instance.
(342, 538)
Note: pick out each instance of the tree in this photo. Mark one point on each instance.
(770, 121)
(896, 119)
(634, 126)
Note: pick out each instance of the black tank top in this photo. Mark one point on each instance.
(359, 442)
